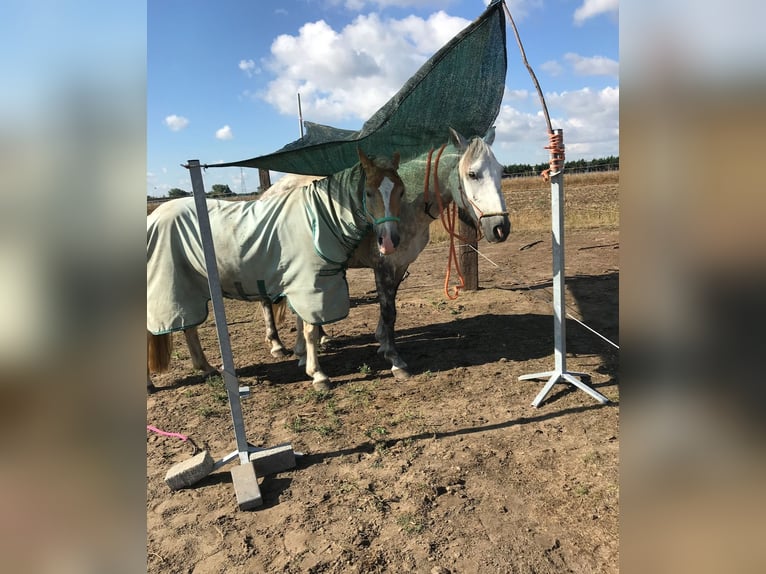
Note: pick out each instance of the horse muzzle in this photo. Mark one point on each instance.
(388, 241)
(388, 234)
(496, 227)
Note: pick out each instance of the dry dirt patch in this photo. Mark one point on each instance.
(451, 471)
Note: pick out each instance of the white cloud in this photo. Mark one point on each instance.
(594, 66)
(589, 118)
(248, 66)
(513, 125)
(592, 8)
(517, 95)
(176, 123)
(552, 67)
(592, 125)
(519, 8)
(350, 73)
(358, 5)
(224, 133)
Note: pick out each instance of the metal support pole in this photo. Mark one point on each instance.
(216, 296)
(560, 373)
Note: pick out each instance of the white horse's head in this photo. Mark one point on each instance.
(481, 194)
(384, 190)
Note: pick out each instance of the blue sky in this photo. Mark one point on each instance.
(223, 77)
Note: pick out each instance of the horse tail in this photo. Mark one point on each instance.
(279, 309)
(158, 352)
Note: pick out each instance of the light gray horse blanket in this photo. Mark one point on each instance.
(293, 245)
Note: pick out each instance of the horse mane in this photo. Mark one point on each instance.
(476, 145)
(383, 162)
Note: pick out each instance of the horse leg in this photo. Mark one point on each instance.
(307, 351)
(300, 342)
(324, 338)
(158, 349)
(150, 388)
(276, 348)
(199, 361)
(387, 280)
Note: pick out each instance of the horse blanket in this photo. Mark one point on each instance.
(292, 245)
(460, 86)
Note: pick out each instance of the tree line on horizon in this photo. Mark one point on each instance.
(217, 190)
(609, 163)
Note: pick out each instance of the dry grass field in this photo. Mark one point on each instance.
(450, 472)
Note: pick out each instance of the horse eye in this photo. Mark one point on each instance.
(473, 175)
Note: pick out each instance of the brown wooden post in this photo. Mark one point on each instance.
(265, 178)
(469, 257)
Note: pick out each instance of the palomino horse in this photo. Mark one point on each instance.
(292, 246)
(465, 172)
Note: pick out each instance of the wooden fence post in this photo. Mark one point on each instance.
(469, 256)
(265, 179)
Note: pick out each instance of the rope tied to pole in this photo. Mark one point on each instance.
(556, 148)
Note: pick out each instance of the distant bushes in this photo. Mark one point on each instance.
(610, 163)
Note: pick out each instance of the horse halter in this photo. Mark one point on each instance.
(387, 218)
(379, 220)
(476, 208)
(437, 193)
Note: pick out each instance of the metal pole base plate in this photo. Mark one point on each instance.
(246, 486)
(564, 377)
(259, 462)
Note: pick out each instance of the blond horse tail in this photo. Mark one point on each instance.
(158, 352)
(280, 310)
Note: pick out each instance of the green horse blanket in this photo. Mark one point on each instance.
(292, 245)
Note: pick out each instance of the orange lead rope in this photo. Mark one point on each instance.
(452, 257)
(448, 218)
(448, 221)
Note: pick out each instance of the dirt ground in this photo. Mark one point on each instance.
(450, 472)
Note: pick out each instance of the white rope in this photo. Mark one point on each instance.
(569, 315)
(593, 331)
(480, 253)
(576, 320)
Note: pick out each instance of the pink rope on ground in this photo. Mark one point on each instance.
(164, 433)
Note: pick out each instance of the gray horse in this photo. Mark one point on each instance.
(292, 247)
(462, 171)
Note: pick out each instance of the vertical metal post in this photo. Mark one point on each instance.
(560, 372)
(557, 234)
(216, 296)
(300, 114)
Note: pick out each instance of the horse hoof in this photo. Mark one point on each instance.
(210, 373)
(321, 385)
(279, 353)
(151, 389)
(400, 374)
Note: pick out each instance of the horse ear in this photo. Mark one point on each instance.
(458, 140)
(395, 159)
(363, 158)
(490, 137)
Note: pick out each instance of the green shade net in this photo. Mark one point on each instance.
(461, 86)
